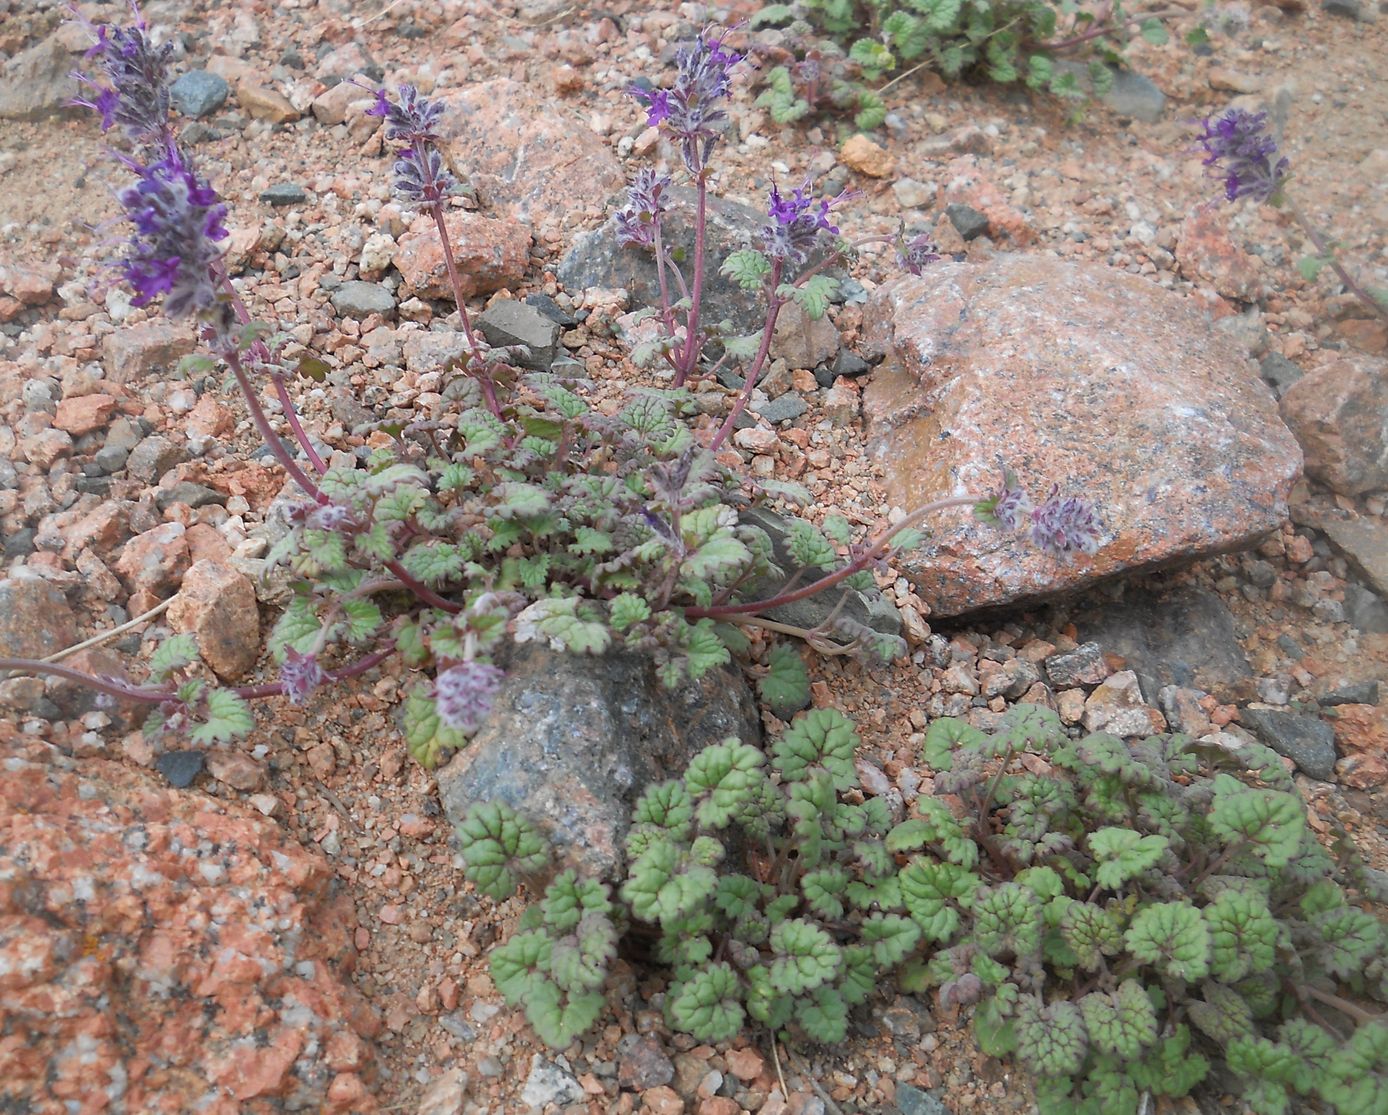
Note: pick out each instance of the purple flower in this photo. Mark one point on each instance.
(464, 694)
(420, 174)
(300, 675)
(691, 107)
(915, 254)
(1064, 525)
(1009, 505)
(134, 91)
(332, 517)
(636, 222)
(797, 221)
(178, 221)
(1245, 155)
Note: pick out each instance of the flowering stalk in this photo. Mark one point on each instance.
(1240, 151)
(775, 302)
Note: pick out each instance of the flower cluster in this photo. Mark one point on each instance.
(1059, 526)
(464, 694)
(691, 107)
(420, 174)
(636, 222)
(1246, 156)
(797, 221)
(917, 253)
(135, 92)
(178, 221)
(300, 675)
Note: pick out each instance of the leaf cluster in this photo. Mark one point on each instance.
(1140, 913)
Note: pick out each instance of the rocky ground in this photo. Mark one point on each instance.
(284, 926)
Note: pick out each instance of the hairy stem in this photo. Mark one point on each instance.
(272, 441)
(1327, 252)
(1344, 1006)
(693, 341)
(773, 311)
(875, 547)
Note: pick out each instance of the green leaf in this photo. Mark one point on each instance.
(520, 966)
(1173, 937)
(565, 623)
(1222, 1014)
(823, 890)
(227, 718)
(1007, 919)
(1197, 36)
(580, 960)
(805, 956)
(747, 268)
(723, 778)
(626, 610)
(1243, 935)
(520, 501)
(825, 1017)
(175, 653)
(568, 899)
(1345, 940)
(362, 618)
(821, 739)
(427, 738)
(664, 886)
(891, 938)
(1124, 854)
(717, 559)
(560, 1017)
(808, 547)
(936, 825)
(934, 893)
(1051, 1039)
(1092, 932)
(1154, 31)
(1169, 1068)
(946, 736)
(813, 295)
(785, 689)
(499, 846)
(1270, 821)
(872, 56)
(707, 1005)
(1122, 1022)
(298, 628)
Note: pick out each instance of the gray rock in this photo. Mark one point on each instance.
(1082, 666)
(845, 363)
(284, 193)
(1134, 95)
(20, 543)
(573, 740)
(359, 299)
(1365, 610)
(548, 1083)
(598, 259)
(153, 457)
(1278, 372)
(802, 341)
(910, 1100)
(517, 323)
(1346, 9)
(1364, 544)
(642, 1063)
(110, 458)
(188, 494)
(37, 83)
(782, 409)
(181, 768)
(1307, 740)
(199, 93)
(551, 309)
(868, 609)
(1356, 693)
(1183, 637)
(967, 221)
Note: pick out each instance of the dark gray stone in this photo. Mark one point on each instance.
(1134, 95)
(1278, 372)
(199, 93)
(153, 457)
(359, 299)
(1307, 740)
(187, 494)
(573, 740)
(181, 768)
(518, 323)
(867, 609)
(284, 193)
(1364, 544)
(910, 1100)
(1184, 636)
(1365, 610)
(20, 543)
(598, 259)
(967, 221)
(1346, 9)
(845, 363)
(110, 458)
(1356, 693)
(782, 409)
(1082, 666)
(642, 1063)
(551, 309)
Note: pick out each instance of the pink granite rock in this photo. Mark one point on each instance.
(35, 619)
(529, 156)
(1339, 413)
(216, 603)
(1206, 253)
(164, 951)
(491, 255)
(155, 560)
(1077, 376)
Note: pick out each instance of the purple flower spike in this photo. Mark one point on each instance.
(636, 222)
(1064, 525)
(797, 221)
(300, 675)
(1245, 155)
(178, 220)
(133, 92)
(420, 174)
(1009, 505)
(916, 254)
(691, 108)
(464, 694)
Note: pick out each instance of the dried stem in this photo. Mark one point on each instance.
(1327, 252)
